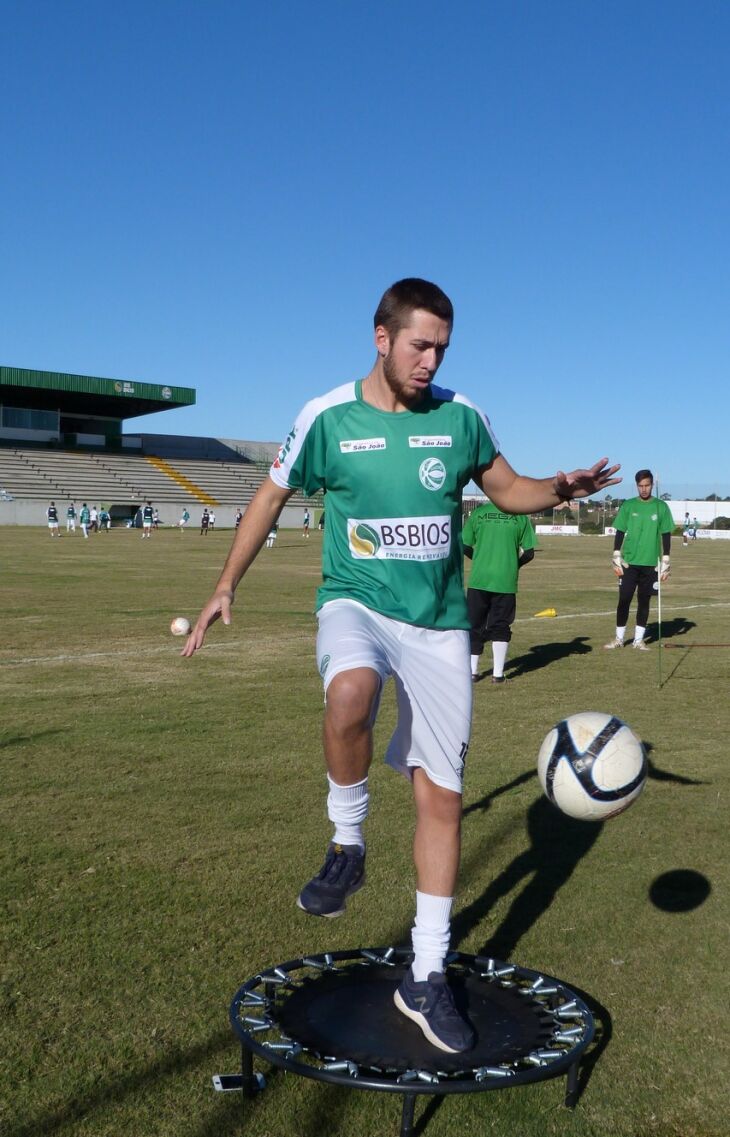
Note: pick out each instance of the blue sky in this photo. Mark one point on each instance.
(216, 194)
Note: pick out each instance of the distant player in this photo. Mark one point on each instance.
(239, 515)
(305, 524)
(499, 545)
(211, 520)
(148, 517)
(204, 522)
(52, 517)
(184, 518)
(71, 518)
(646, 524)
(686, 529)
(85, 520)
(156, 519)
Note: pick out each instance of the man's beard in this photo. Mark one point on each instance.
(398, 387)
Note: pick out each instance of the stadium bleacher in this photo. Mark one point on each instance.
(77, 476)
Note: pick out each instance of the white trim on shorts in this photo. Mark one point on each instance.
(432, 675)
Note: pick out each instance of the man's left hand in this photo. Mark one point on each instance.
(583, 483)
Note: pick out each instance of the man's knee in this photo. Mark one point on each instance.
(435, 802)
(352, 699)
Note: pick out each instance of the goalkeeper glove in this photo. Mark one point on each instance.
(664, 569)
(617, 563)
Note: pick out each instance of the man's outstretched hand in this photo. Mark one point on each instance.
(218, 607)
(583, 483)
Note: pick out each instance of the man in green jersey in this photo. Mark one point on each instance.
(393, 453)
(499, 544)
(643, 526)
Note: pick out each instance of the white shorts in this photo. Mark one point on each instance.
(432, 675)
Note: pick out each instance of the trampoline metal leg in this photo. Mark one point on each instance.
(409, 1107)
(571, 1087)
(249, 1082)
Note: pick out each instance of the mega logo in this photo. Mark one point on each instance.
(399, 538)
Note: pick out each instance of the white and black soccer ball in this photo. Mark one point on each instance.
(592, 766)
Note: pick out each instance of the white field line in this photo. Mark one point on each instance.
(612, 612)
(78, 657)
(82, 657)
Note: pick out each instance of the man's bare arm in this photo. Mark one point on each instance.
(514, 493)
(255, 525)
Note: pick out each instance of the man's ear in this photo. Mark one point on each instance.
(382, 340)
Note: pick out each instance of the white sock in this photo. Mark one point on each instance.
(430, 934)
(347, 808)
(639, 634)
(475, 665)
(620, 633)
(499, 657)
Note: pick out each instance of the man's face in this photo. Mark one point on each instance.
(412, 357)
(645, 487)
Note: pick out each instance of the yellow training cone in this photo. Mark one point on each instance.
(547, 612)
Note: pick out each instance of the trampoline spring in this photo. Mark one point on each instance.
(375, 958)
(538, 1057)
(290, 1049)
(345, 1066)
(310, 961)
(483, 1072)
(504, 972)
(419, 1076)
(542, 992)
(257, 1024)
(251, 999)
(276, 976)
(569, 1010)
(568, 1034)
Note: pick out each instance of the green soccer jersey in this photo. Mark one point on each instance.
(643, 522)
(496, 539)
(394, 483)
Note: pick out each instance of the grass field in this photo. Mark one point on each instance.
(160, 815)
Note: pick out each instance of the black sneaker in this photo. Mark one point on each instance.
(342, 873)
(499, 679)
(431, 1006)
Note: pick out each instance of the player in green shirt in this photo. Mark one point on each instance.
(643, 526)
(499, 544)
(393, 453)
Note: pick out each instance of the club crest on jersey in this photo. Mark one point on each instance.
(432, 473)
(399, 538)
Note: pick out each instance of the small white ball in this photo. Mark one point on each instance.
(180, 626)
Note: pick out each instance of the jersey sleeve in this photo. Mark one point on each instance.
(301, 462)
(622, 518)
(528, 540)
(487, 446)
(467, 533)
(666, 521)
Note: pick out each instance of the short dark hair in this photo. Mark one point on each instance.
(408, 295)
(642, 475)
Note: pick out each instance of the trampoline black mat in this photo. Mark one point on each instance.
(350, 1014)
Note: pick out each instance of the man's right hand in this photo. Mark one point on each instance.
(218, 607)
(617, 563)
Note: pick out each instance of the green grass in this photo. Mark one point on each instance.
(160, 815)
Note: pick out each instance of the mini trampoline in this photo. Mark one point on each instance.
(331, 1017)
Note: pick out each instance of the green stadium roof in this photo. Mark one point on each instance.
(77, 394)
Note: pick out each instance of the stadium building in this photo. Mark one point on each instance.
(62, 438)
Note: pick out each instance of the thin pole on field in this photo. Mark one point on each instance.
(659, 589)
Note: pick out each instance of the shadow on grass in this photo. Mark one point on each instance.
(117, 1089)
(658, 775)
(679, 626)
(542, 655)
(17, 739)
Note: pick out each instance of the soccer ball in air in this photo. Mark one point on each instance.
(592, 766)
